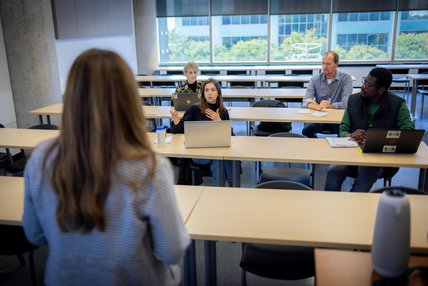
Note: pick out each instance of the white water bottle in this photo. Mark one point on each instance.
(391, 239)
(160, 135)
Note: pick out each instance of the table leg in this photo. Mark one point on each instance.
(48, 118)
(220, 173)
(236, 171)
(423, 177)
(189, 265)
(41, 119)
(413, 103)
(210, 263)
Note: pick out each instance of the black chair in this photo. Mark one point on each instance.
(401, 78)
(14, 242)
(409, 191)
(278, 261)
(300, 175)
(4, 157)
(387, 175)
(268, 128)
(150, 123)
(17, 165)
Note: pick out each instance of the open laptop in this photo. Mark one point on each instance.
(392, 141)
(182, 101)
(203, 134)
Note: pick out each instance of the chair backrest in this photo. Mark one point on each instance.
(287, 134)
(45, 127)
(409, 191)
(284, 185)
(269, 103)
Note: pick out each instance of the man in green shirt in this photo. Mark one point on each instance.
(373, 107)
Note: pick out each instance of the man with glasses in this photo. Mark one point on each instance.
(373, 107)
(329, 89)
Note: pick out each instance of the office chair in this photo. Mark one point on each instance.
(387, 175)
(402, 79)
(300, 175)
(409, 191)
(277, 261)
(268, 128)
(14, 242)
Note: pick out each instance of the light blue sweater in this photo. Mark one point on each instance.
(144, 230)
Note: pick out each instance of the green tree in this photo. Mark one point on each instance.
(252, 50)
(412, 46)
(301, 46)
(183, 50)
(363, 52)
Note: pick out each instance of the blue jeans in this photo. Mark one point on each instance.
(365, 177)
(310, 129)
(214, 167)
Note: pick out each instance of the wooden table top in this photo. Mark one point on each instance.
(228, 78)
(306, 218)
(317, 151)
(269, 114)
(350, 268)
(418, 76)
(12, 200)
(404, 66)
(246, 68)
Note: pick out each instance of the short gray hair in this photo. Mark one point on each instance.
(335, 55)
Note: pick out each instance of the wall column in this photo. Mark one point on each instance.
(31, 55)
(145, 35)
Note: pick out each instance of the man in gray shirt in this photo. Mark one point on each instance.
(329, 89)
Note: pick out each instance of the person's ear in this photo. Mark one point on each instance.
(381, 90)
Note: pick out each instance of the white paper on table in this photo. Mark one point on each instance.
(168, 139)
(303, 110)
(341, 142)
(320, 113)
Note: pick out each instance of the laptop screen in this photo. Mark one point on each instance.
(392, 141)
(182, 101)
(202, 134)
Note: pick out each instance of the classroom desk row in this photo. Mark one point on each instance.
(304, 218)
(269, 114)
(253, 148)
(315, 68)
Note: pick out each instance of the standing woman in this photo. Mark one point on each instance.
(98, 195)
(211, 107)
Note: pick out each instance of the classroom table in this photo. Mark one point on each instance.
(318, 151)
(403, 66)
(351, 268)
(269, 114)
(227, 78)
(245, 68)
(303, 218)
(415, 78)
(12, 200)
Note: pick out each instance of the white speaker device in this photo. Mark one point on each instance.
(391, 239)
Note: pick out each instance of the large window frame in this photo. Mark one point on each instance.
(348, 10)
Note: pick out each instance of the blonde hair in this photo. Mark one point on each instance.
(190, 66)
(102, 123)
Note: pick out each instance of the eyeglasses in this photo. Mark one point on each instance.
(367, 83)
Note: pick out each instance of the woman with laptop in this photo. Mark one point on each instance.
(98, 195)
(191, 84)
(211, 107)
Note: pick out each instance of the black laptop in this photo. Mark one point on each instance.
(182, 101)
(392, 141)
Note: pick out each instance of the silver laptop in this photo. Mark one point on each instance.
(392, 141)
(182, 101)
(203, 134)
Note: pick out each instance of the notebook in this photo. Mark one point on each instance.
(202, 134)
(182, 101)
(392, 141)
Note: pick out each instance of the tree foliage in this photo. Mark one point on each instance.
(183, 50)
(412, 46)
(252, 50)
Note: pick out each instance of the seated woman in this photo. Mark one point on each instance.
(98, 195)
(210, 108)
(191, 84)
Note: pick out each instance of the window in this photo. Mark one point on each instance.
(412, 35)
(243, 40)
(363, 35)
(301, 37)
(183, 39)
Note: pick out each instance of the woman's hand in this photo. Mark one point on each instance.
(212, 115)
(175, 116)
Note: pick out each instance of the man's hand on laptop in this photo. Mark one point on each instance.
(212, 115)
(358, 136)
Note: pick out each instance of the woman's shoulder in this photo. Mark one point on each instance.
(39, 153)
